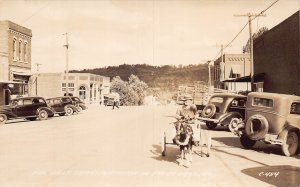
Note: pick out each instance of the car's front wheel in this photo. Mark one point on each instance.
(43, 114)
(211, 125)
(246, 142)
(3, 119)
(69, 111)
(290, 143)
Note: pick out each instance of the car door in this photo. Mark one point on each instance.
(57, 105)
(24, 107)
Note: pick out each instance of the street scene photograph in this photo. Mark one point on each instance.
(149, 93)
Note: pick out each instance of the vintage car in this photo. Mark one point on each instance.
(78, 103)
(62, 105)
(222, 108)
(271, 118)
(29, 108)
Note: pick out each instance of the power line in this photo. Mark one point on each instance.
(254, 17)
(36, 12)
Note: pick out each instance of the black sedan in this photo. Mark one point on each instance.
(29, 108)
(62, 105)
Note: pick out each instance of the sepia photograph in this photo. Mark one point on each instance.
(149, 93)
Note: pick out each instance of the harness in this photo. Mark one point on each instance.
(184, 134)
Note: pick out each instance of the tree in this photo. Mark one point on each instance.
(246, 48)
(133, 92)
(139, 87)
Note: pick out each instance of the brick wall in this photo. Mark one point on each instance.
(276, 53)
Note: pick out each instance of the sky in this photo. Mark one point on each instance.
(105, 33)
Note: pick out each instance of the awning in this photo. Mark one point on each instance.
(235, 69)
(10, 82)
(257, 78)
(22, 73)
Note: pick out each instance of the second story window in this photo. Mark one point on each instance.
(20, 50)
(25, 52)
(15, 49)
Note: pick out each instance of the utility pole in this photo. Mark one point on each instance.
(67, 63)
(209, 74)
(250, 18)
(36, 78)
(222, 63)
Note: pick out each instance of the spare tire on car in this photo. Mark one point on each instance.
(256, 127)
(209, 111)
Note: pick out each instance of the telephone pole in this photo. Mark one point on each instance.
(222, 61)
(250, 18)
(67, 63)
(36, 78)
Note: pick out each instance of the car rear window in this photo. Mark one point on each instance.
(295, 108)
(264, 102)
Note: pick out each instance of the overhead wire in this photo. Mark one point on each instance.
(263, 11)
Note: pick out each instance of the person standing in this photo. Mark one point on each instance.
(116, 100)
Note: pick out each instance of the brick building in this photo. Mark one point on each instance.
(277, 57)
(86, 86)
(232, 67)
(15, 60)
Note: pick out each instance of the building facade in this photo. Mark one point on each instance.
(15, 60)
(88, 87)
(229, 67)
(277, 56)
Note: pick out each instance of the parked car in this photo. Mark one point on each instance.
(273, 119)
(62, 105)
(109, 101)
(29, 108)
(78, 103)
(222, 108)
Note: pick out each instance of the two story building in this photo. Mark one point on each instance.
(229, 67)
(15, 60)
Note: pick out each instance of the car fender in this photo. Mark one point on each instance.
(226, 118)
(9, 114)
(82, 106)
(49, 110)
(286, 129)
(72, 106)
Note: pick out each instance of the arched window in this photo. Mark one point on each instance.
(25, 52)
(15, 49)
(82, 92)
(20, 50)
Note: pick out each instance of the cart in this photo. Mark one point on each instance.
(201, 139)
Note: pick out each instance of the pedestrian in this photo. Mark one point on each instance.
(116, 100)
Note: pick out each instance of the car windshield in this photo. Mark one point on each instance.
(14, 102)
(217, 100)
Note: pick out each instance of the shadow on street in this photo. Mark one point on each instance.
(281, 175)
(259, 146)
(172, 153)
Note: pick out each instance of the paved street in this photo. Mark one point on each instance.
(105, 147)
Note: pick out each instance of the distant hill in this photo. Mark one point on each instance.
(166, 77)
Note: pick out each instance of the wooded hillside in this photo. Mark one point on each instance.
(165, 77)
